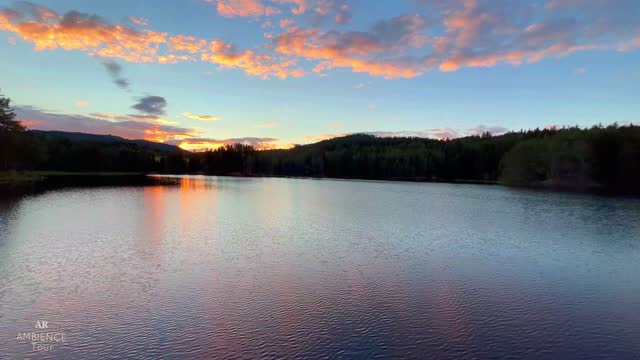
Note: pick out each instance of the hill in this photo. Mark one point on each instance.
(107, 139)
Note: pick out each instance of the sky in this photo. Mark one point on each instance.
(273, 73)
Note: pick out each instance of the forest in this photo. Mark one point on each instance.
(605, 159)
(601, 158)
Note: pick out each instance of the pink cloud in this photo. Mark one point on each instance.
(139, 21)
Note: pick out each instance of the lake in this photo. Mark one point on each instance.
(216, 267)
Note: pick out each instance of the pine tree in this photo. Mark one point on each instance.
(8, 122)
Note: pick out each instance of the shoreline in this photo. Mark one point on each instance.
(13, 183)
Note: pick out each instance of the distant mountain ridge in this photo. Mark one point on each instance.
(107, 139)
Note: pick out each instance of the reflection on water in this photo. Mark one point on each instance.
(246, 268)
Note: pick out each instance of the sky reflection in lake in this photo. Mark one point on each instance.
(230, 267)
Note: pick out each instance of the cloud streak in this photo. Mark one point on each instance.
(114, 70)
(200, 117)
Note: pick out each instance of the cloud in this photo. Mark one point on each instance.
(366, 52)
(92, 34)
(285, 23)
(147, 118)
(444, 35)
(126, 128)
(82, 103)
(343, 18)
(299, 6)
(114, 70)
(256, 8)
(485, 34)
(200, 117)
(231, 8)
(469, 33)
(139, 21)
(78, 31)
(151, 105)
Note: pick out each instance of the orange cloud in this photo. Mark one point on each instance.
(82, 103)
(93, 35)
(231, 8)
(159, 134)
(201, 117)
(285, 23)
(188, 44)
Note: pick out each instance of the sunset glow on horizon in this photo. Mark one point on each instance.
(272, 73)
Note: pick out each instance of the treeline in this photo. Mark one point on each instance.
(600, 158)
(596, 159)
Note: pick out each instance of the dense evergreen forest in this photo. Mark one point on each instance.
(597, 159)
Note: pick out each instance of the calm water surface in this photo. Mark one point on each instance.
(291, 268)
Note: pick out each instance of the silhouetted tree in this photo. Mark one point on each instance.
(11, 135)
(8, 122)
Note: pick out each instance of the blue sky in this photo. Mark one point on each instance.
(408, 67)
